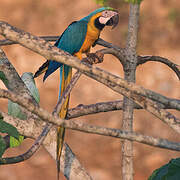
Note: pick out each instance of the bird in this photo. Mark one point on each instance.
(78, 38)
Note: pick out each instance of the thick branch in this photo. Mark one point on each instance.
(72, 169)
(114, 50)
(70, 166)
(129, 68)
(50, 52)
(117, 133)
(148, 104)
(6, 42)
(26, 103)
(117, 84)
(13, 81)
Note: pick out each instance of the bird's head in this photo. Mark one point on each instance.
(105, 16)
(108, 18)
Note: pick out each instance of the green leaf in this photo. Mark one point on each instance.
(14, 142)
(9, 129)
(28, 79)
(169, 171)
(3, 78)
(134, 1)
(2, 146)
(101, 2)
(174, 15)
(13, 108)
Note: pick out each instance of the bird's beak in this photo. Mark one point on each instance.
(113, 21)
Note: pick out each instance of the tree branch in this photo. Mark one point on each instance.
(114, 50)
(117, 84)
(41, 113)
(12, 80)
(50, 52)
(6, 42)
(74, 125)
(173, 66)
(72, 83)
(67, 91)
(129, 68)
(38, 142)
(82, 109)
(70, 166)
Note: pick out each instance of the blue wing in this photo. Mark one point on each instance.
(70, 41)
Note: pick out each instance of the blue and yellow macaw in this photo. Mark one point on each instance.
(76, 40)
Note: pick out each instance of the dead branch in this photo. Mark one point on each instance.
(34, 129)
(81, 109)
(74, 125)
(72, 83)
(129, 68)
(112, 49)
(173, 66)
(6, 42)
(13, 81)
(119, 85)
(71, 168)
(38, 142)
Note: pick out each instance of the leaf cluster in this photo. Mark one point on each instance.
(104, 2)
(8, 129)
(168, 171)
(134, 1)
(15, 110)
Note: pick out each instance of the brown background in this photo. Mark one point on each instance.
(101, 156)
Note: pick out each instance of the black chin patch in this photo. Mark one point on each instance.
(98, 24)
(110, 22)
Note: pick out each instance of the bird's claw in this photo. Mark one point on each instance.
(95, 58)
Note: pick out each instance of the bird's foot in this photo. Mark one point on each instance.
(95, 58)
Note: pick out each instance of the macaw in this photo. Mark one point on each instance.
(77, 39)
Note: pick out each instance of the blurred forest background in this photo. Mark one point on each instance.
(159, 35)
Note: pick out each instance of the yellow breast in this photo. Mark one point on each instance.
(91, 36)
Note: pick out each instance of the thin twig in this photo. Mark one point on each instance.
(120, 55)
(82, 109)
(30, 152)
(57, 110)
(67, 91)
(173, 66)
(100, 41)
(73, 81)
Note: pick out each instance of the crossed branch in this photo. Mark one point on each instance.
(143, 98)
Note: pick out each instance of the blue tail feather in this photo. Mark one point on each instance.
(53, 66)
(66, 72)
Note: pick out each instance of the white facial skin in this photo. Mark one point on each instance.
(106, 16)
